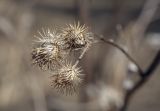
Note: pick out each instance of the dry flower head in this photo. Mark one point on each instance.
(67, 80)
(48, 53)
(76, 36)
(51, 52)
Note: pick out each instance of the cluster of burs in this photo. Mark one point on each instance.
(51, 51)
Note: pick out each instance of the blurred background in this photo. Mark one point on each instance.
(133, 24)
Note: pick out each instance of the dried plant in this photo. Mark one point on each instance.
(76, 36)
(66, 80)
(48, 53)
(52, 49)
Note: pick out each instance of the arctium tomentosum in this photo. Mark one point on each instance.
(66, 80)
(47, 53)
(76, 36)
(54, 48)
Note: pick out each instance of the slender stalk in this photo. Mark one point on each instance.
(146, 76)
(111, 42)
(81, 56)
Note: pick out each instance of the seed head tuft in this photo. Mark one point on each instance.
(47, 53)
(67, 80)
(76, 36)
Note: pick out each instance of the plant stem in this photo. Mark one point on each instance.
(82, 54)
(111, 42)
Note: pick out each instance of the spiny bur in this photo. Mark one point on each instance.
(76, 36)
(47, 53)
(51, 50)
(67, 79)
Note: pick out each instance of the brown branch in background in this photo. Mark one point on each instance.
(146, 16)
(120, 14)
(84, 11)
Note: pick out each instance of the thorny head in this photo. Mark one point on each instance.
(47, 54)
(53, 48)
(66, 80)
(76, 36)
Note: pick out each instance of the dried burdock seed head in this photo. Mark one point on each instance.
(46, 56)
(47, 53)
(76, 36)
(67, 80)
(48, 36)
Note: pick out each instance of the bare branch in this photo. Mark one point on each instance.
(146, 75)
(110, 42)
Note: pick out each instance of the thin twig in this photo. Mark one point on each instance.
(111, 42)
(142, 23)
(146, 76)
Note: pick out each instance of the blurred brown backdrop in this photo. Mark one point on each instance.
(24, 87)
